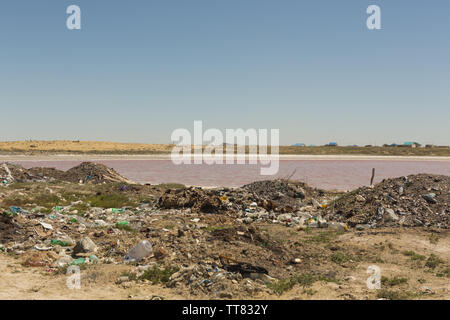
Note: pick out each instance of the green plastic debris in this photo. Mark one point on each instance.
(59, 243)
(123, 223)
(78, 261)
(58, 208)
(2, 249)
(73, 220)
(115, 210)
(93, 258)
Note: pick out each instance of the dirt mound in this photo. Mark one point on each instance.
(416, 200)
(89, 172)
(86, 172)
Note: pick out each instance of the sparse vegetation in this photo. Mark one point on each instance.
(433, 261)
(157, 275)
(339, 258)
(434, 238)
(283, 285)
(395, 295)
(111, 201)
(395, 281)
(444, 273)
(414, 256)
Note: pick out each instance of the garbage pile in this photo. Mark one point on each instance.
(217, 282)
(276, 195)
(272, 195)
(86, 172)
(198, 199)
(416, 200)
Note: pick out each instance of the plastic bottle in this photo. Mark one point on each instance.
(140, 251)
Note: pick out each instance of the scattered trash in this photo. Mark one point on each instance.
(78, 261)
(140, 251)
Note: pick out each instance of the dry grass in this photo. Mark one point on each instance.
(100, 147)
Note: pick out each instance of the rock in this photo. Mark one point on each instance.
(430, 198)
(361, 227)
(390, 216)
(333, 285)
(360, 198)
(122, 279)
(247, 220)
(85, 245)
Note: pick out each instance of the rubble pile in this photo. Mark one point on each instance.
(416, 200)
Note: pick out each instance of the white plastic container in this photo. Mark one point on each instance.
(140, 251)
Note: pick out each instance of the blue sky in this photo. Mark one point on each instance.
(139, 69)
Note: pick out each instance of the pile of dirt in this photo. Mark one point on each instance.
(86, 172)
(416, 200)
(89, 172)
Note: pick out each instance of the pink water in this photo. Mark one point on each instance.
(327, 174)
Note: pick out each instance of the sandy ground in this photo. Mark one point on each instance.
(98, 281)
(101, 147)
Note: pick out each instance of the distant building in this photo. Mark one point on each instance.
(332, 144)
(412, 144)
(299, 145)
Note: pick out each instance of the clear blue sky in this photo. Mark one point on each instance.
(140, 69)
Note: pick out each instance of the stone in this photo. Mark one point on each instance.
(85, 245)
(361, 227)
(390, 216)
(430, 198)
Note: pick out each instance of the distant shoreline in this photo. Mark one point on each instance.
(98, 149)
(101, 157)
